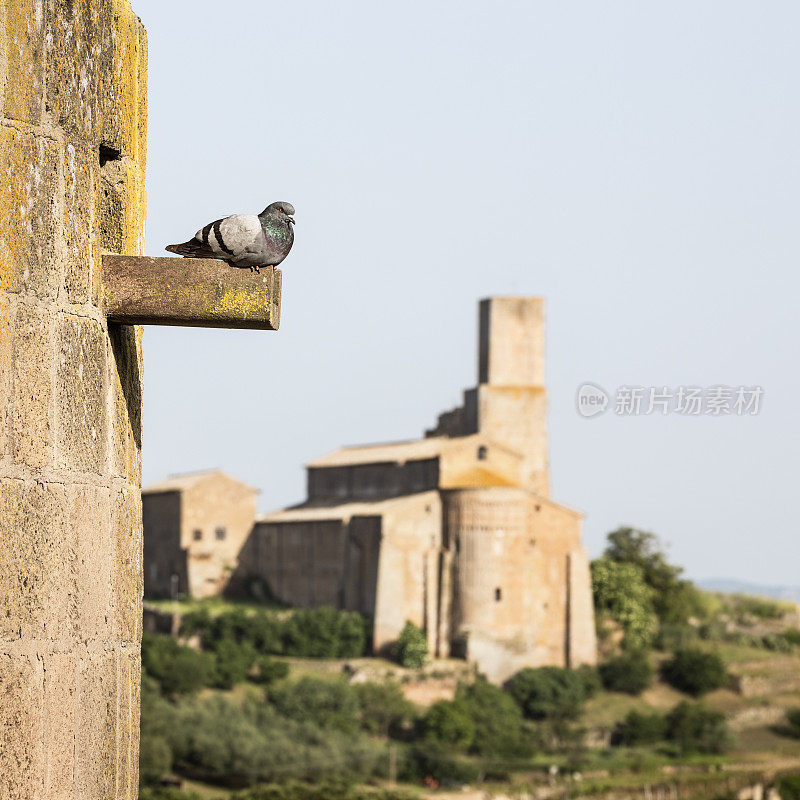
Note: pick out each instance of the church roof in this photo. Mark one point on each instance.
(345, 510)
(399, 452)
(187, 480)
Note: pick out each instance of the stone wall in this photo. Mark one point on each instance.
(72, 160)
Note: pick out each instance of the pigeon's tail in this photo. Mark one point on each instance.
(191, 249)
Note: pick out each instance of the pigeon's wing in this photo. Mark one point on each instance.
(228, 237)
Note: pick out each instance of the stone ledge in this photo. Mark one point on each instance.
(190, 292)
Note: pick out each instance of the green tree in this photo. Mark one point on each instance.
(411, 648)
(551, 693)
(499, 726)
(695, 671)
(620, 591)
(695, 728)
(325, 703)
(630, 672)
(640, 727)
(384, 708)
(449, 723)
(793, 720)
(674, 599)
(178, 669)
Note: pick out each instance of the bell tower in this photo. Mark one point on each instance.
(510, 402)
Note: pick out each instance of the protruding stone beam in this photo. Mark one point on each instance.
(193, 292)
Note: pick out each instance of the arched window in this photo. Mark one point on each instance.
(483, 451)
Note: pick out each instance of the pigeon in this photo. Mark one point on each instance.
(244, 240)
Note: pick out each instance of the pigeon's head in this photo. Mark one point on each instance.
(281, 211)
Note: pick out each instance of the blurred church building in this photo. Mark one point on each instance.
(455, 532)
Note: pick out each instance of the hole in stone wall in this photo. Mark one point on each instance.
(108, 154)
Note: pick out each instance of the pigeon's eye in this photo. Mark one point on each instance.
(281, 209)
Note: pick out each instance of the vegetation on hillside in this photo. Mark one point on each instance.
(233, 712)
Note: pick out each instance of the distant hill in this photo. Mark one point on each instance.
(743, 587)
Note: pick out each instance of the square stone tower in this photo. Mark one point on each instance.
(509, 404)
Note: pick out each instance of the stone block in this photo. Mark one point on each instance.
(81, 395)
(30, 208)
(130, 679)
(81, 169)
(89, 518)
(24, 45)
(119, 76)
(58, 725)
(32, 387)
(37, 562)
(95, 726)
(20, 728)
(6, 312)
(127, 577)
(76, 33)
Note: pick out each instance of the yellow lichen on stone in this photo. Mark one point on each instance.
(242, 304)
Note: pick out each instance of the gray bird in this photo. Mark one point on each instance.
(244, 240)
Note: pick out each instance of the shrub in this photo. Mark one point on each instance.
(155, 759)
(449, 723)
(789, 787)
(327, 790)
(324, 633)
(695, 728)
(639, 728)
(435, 761)
(232, 663)
(793, 720)
(551, 693)
(384, 708)
(329, 704)
(695, 671)
(308, 633)
(592, 682)
(499, 727)
(268, 670)
(411, 648)
(178, 669)
(630, 672)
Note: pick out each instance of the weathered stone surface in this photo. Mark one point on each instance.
(127, 575)
(81, 394)
(24, 42)
(130, 679)
(96, 725)
(72, 91)
(37, 562)
(20, 727)
(58, 725)
(81, 167)
(29, 207)
(90, 518)
(204, 292)
(32, 389)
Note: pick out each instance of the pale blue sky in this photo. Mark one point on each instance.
(634, 163)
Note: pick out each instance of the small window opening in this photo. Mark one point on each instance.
(198, 534)
(220, 533)
(498, 594)
(482, 452)
(538, 507)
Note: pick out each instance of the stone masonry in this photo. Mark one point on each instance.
(72, 162)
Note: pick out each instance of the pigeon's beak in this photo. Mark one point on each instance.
(290, 220)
